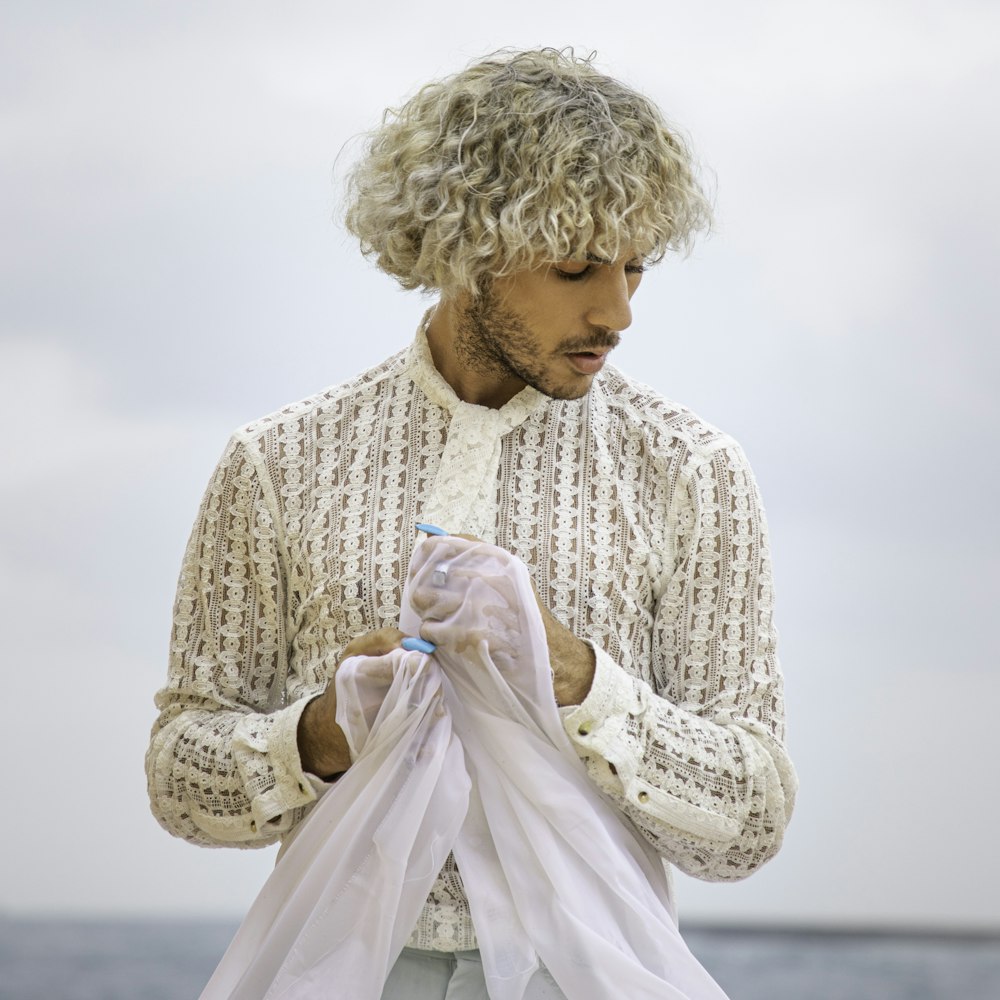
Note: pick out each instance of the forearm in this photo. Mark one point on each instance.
(713, 798)
(223, 765)
(227, 777)
(571, 659)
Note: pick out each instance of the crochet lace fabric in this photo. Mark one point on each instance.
(644, 534)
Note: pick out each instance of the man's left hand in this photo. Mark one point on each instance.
(571, 659)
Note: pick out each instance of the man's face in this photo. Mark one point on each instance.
(550, 327)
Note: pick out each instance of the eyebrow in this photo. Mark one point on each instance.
(594, 259)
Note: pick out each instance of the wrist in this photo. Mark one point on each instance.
(323, 748)
(573, 669)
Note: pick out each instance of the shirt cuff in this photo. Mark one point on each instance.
(596, 724)
(598, 728)
(274, 746)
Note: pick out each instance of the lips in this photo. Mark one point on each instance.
(589, 362)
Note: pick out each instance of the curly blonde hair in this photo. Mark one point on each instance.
(522, 157)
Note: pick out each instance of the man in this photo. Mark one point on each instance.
(530, 192)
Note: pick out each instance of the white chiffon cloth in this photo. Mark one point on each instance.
(462, 750)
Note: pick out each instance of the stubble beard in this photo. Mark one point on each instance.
(495, 342)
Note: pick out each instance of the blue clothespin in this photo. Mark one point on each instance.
(417, 645)
(431, 529)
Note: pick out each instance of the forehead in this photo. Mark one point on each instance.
(604, 244)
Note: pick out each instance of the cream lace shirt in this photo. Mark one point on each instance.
(641, 526)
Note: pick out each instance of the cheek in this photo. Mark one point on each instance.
(557, 317)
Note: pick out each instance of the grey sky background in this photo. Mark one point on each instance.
(171, 271)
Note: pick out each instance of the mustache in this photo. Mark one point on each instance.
(604, 341)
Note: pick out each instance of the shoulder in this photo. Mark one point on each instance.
(634, 406)
(328, 404)
(689, 452)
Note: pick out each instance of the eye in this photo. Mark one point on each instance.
(572, 275)
(633, 267)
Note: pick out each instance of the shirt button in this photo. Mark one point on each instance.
(253, 826)
(584, 729)
(643, 796)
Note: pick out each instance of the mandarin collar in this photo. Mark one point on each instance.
(423, 372)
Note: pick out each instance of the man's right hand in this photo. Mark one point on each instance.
(323, 747)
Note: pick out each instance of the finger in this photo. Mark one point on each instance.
(435, 603)
(380, 669)
(435, 632)
(377, 643)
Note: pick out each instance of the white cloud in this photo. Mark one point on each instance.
(64, 425)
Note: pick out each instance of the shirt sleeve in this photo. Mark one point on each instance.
(698, 761)
(223, 764)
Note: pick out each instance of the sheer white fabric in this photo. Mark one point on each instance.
(463, 750)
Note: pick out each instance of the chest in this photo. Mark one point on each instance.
(582, 503)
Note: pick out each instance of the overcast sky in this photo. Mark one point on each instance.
(172, 270)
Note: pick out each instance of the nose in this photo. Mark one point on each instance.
(610, 307)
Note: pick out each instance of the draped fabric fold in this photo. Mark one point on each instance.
(463, 750)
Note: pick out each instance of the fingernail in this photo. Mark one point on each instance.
(417, 645)
(431, 529)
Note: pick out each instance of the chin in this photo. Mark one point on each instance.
(567, 392)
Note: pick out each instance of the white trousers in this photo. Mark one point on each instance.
(458, 975)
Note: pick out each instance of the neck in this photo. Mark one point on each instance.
(481, 384)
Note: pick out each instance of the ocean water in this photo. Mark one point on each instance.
(172, 960)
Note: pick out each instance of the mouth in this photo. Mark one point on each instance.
(589, 362)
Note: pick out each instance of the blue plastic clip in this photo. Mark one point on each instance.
(417, 645)
(431, 529)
